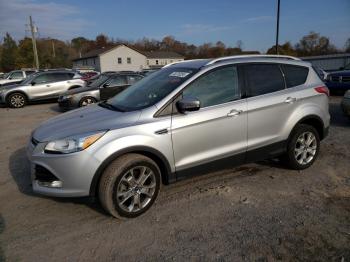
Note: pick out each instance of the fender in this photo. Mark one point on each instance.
(159, 158)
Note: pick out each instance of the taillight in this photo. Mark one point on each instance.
(322, 90)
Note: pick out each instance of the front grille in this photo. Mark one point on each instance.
(34, 141)
(335, 78)
(346, 79)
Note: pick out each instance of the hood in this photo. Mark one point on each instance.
(340, 73)
(80, 90)
(87, 119)
(9, 86)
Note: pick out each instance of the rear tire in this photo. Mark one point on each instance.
(303, 147)
(16, 100)
(129, 186)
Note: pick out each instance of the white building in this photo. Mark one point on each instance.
(124, 58)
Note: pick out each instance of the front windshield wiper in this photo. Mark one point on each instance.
(107, 105)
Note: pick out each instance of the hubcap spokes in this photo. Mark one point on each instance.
(17, 101)
(88, 101)
(136, 189)
(305, 148)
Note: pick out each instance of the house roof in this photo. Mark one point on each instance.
(151, 54)
(162, 54)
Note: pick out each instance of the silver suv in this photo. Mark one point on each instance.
(16, 76)
(187, 118)
(40, 86)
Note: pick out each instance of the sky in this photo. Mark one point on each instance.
(192, 21)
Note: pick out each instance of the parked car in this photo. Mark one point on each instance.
(186, 118)
(106, 86)
(345, 104)
(339, 81)
(88, 75)
(15, 76)
(40, 86)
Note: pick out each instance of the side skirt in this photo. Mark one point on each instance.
(254, 155)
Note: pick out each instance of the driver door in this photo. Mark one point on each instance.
(113, 86)
(218, 130)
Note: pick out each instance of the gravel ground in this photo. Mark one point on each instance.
(256, 212)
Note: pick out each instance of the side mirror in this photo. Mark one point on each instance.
(33, 83)
(105, 85)
(188, 104)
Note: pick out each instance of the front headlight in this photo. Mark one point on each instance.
(73, 144)
(66, 97)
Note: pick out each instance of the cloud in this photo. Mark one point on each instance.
(192, 29)
(259, 19)
(52, 19)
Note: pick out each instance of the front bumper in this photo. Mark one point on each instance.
(74, 172)
(67, 103)
(345, 105)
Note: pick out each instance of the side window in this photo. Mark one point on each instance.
(295, 75)
(133, 79)
(43, 78)
(16, 75)
(119, 60)
(263, 79)
(216, 87)
(57, 77)
(117, 81)
(128, 60)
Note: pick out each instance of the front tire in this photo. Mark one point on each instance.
(303, 147)
(129, 186)
(85, 101)
(16, 100)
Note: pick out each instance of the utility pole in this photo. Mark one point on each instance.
(33, 31)
(278, 25)
(53, 48)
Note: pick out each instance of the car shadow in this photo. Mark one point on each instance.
(19, 167)
(338, 118)
(56, 108)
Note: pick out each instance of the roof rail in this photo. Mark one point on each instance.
(251, 56)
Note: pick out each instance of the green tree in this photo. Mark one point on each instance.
(314, 44)
(25, 56)
(347, 46)
(9, 53)
(285, 49)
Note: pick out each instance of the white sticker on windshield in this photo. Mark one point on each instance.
(179, 74)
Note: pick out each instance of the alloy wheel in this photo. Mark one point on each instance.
(305, 148)
(136, 189)
(17, 100)
(87, 101)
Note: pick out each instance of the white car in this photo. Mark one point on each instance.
(15, 76)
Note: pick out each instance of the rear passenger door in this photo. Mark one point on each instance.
(113, 86)
(269, 103)
(59, 83)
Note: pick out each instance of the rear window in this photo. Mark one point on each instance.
(295, 75)
(263, 79)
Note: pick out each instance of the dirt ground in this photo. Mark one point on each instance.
(256, 212)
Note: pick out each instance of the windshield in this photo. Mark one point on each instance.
(6, 75)
(99, 81)
(151, 89)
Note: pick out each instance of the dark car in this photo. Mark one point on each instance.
(105, 86)
(339, 81)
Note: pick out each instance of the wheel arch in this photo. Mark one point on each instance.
(152, 153)
(316, 122)
(14, 92)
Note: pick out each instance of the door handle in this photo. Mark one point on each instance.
(290, 100)
(47, 85)
(234, 112)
